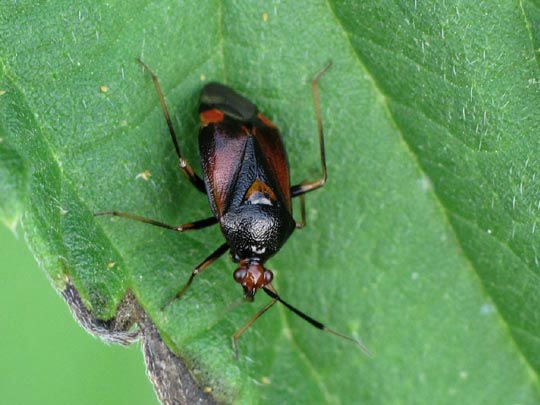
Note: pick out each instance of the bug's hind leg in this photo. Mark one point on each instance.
(307, 186)
(184, 165)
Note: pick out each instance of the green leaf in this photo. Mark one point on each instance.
(423, 243)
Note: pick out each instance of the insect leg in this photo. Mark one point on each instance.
(184, 165)
(302, 223)
(240, 331)
(307, 186)
(203, 223)
(198, 270)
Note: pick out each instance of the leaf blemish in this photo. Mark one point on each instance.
(425, 183)
(486, 309)
(287, 333)
(144, 175)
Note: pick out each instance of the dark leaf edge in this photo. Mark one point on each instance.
(171, 378)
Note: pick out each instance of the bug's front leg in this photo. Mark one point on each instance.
(198, 270)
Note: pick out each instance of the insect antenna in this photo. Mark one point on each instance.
(273, 294)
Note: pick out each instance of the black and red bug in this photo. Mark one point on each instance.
(246, 179)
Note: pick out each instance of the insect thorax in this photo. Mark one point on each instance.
(256, 231)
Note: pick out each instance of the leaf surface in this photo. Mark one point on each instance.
(423, 243)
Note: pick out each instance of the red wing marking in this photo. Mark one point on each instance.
(221, 147)
(273, 151)
(211, 116)
(265, 120)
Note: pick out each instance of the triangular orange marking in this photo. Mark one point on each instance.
(260, 190)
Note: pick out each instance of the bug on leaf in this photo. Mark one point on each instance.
(246, 179)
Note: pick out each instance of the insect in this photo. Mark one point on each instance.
(246, 180)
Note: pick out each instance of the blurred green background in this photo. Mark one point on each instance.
(46, 357)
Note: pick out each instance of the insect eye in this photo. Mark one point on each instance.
(240, 275)
(268, 276)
